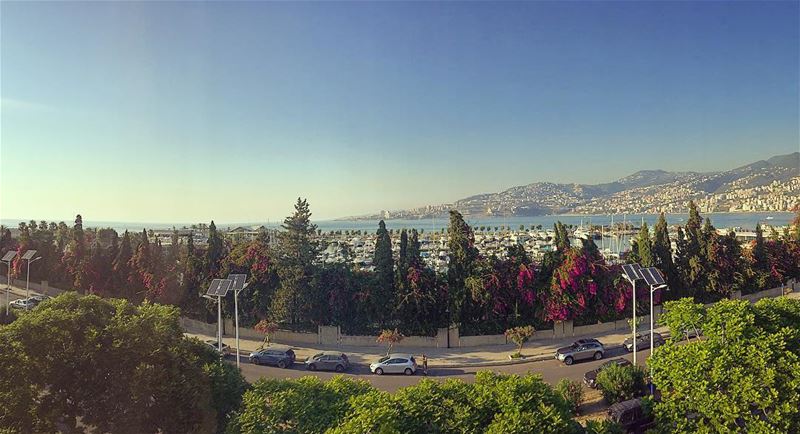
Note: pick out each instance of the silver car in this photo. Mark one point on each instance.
(582, 349)
(332, 361)
(226, 350)
(395, 364)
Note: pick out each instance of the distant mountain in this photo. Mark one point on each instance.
(765, 185)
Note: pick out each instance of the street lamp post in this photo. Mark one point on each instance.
(238, 285)
(28, 256)
(653, 289)
(11, 254)
(631, 273)
(218, 288)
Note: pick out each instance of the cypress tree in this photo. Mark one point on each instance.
(77, 257)
(662, 250)
(121, 265)
(644, 247)
(384, 273)
(462, 254)
(413, 253)
(402, 260)
(214, 252)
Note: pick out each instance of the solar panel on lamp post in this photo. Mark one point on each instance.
(632, 273)
(219, 288)
(239, 283)
(7, 258)
(656, 281)
(28, 256)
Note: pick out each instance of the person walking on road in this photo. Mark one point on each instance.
(424, 365)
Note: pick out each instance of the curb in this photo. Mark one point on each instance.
(488, 363)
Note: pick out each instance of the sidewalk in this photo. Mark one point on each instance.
(490, 355)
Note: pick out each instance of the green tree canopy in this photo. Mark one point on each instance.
(743, 377)
(112, 366)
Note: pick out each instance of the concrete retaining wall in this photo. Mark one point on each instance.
(593, 329)
(478, 341)
(770, 293)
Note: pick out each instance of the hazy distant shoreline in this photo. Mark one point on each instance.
(745, 220)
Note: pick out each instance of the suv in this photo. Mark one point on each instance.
(329, 360)
(395, 364)
(643, 341)
(581, 349)
(282, 358)
(590, 378)
(631, 416)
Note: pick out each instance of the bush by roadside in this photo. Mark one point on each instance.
(619, 383)
(572, 391)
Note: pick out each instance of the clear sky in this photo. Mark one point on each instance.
(184, 112)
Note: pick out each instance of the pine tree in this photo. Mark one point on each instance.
(295, 256)
(692, 264)
(384, 294)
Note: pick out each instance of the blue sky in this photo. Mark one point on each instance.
(176, 112)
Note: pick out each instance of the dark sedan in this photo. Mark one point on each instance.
(282, 358)
(590, 378)
(643, 341)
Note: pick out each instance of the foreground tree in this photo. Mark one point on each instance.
(110, 365)
(494, 403)
(283, 406)
(743, 377)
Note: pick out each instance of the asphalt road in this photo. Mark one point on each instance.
(551, 370)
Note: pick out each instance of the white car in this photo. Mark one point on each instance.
(23, 303)
(394, 364)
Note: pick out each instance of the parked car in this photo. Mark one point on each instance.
(581, 349)
(590, 378)
(643, 341)
(395, 364)
(282, 358)
(38, 298)
(332, 361)
(23, 303)
(631, 416)
(226, 350)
